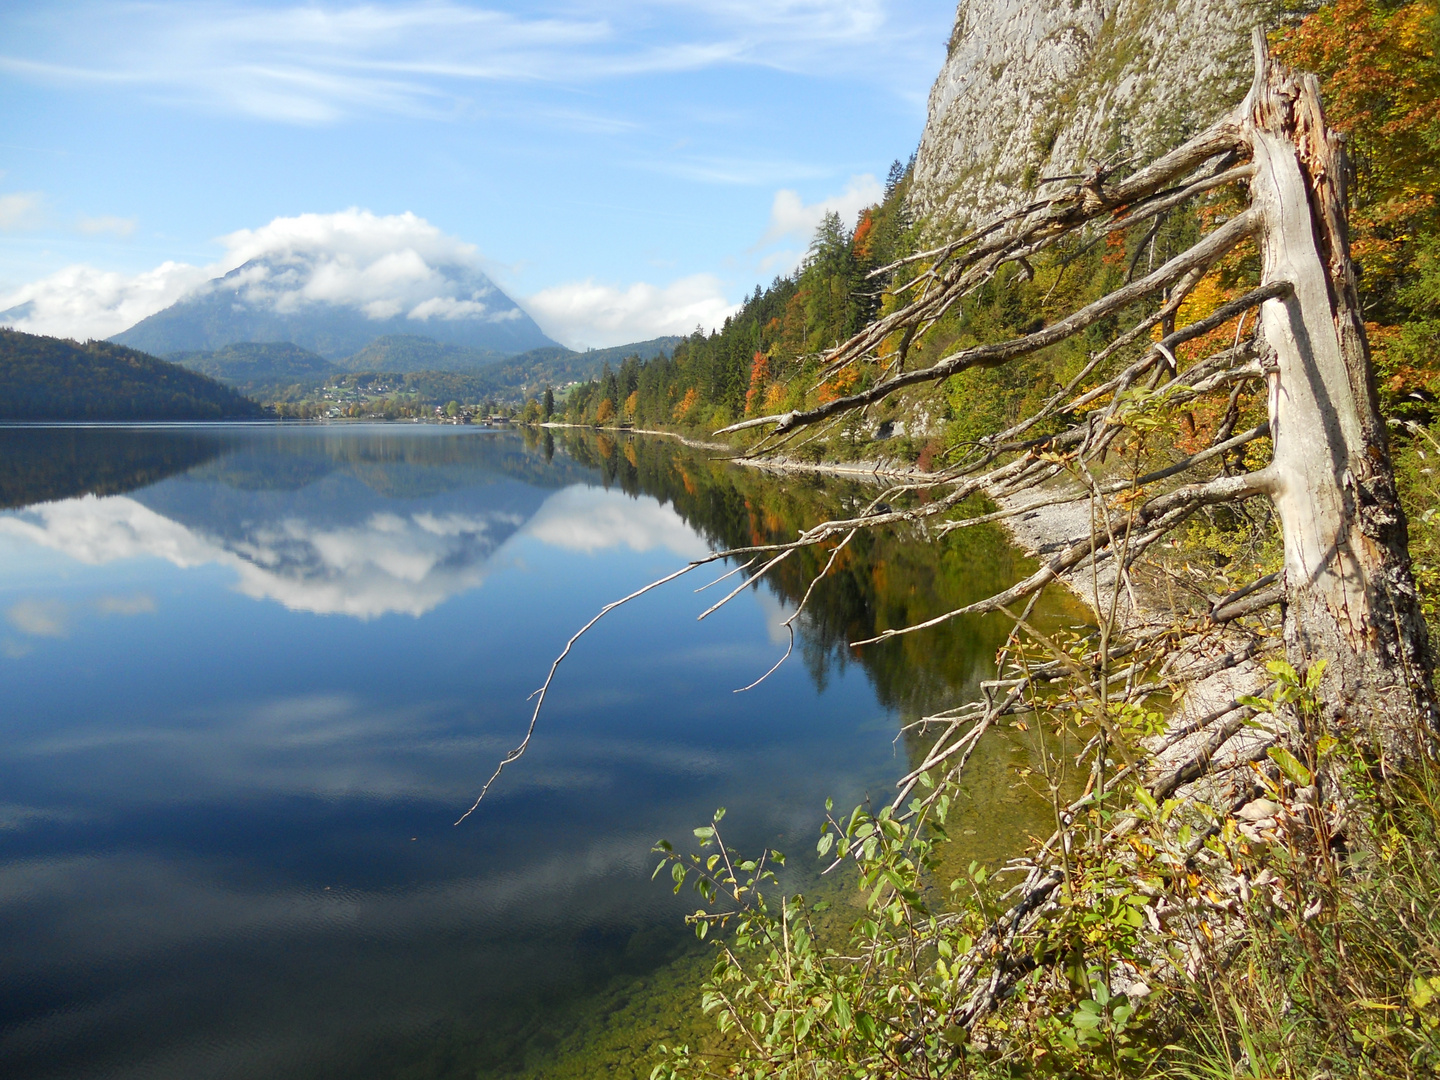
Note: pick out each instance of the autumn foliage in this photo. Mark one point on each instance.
(1380, 79)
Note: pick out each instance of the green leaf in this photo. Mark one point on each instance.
(1423, 991)
(1291, 766)
(1283, 672)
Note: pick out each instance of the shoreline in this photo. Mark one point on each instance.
(1210, 670)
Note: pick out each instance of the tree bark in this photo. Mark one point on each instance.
(1350, 595)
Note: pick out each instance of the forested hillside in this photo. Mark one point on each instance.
(45, 378)
(265, 371)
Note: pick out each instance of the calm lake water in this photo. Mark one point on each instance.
(251, 676)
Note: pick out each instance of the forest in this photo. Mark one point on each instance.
(46, 378)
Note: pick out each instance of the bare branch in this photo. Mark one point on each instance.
(1214, 245)
(539, 694)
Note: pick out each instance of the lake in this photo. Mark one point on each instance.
(252, 675)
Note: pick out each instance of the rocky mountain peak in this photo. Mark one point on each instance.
(1037, 88)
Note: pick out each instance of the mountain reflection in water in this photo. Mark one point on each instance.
(252, 675)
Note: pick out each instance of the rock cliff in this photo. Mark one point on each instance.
(1035, 88)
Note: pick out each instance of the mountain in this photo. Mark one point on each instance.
(291, 297)
(259, 369)
(560, 366)
(1036, 88)
(46, 378)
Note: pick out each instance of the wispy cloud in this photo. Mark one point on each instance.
(39, 617)
(738, 170)
(134, 604)
(99, 226)
(591, 313)
(318, 63)
(21, 210)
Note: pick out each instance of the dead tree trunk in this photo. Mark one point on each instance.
(1350, 597)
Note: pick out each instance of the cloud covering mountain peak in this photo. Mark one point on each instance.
(383, 266)
(334, 282)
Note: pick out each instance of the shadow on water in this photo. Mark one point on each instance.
(530, 943)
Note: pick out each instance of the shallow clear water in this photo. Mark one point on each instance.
(251, 676)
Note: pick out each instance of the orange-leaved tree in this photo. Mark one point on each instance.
(1380, 79)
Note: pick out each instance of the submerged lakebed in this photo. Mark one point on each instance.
(253, 674)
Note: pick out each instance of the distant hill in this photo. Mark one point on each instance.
(510, 379)
(558, 366)
(439, 372)
(261, 370)
(46, 378)
(265, 300)
(407, 352)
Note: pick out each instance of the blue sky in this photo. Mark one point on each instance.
(621, 169)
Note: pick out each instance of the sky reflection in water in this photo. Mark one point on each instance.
(245, 702)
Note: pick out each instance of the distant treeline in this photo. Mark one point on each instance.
(46, 378)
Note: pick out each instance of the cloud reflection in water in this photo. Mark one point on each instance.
(388, 562)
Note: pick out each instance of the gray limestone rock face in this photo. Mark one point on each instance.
(1037, 88)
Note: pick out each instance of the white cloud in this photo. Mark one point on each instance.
(589, 519)
(83, 302)
(399, 244)
(310, 64)
(590, 313)
(792, 218)
(20, 210)
(383, 265)
(98, 226)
